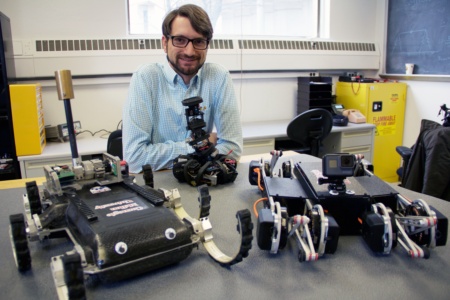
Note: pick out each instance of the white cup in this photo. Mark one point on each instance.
(409, 69)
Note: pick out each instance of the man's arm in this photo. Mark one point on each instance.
(227, 120)
(146, 138)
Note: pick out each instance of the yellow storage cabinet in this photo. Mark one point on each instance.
(28, 118)
(383, 104)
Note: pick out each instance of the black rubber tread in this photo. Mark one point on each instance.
(151, 195)
(204, 200)
(34, 198)
(191, 168)
(246, 231)
(316, 229)
(148, 175)
(73, 276)
(19, 239)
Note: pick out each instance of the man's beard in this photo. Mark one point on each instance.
(184, 71)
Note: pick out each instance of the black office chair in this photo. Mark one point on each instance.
(425, 165)
(309, 129)
(426, 125)
(114, 146)
(405, 153)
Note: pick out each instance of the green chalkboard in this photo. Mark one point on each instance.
(418, 33)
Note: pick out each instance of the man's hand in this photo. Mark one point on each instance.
(213, 138)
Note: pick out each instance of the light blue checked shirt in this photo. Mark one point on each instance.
(154, 121)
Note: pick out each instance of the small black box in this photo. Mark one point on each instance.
(264, 229)
(373, 231)
(333, 235)
(313, 95)
(314, 87)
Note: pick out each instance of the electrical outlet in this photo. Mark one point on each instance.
(77, 126)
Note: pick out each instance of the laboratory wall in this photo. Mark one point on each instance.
(262, 96)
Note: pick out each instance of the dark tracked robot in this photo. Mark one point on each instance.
(118, 229)
(315, 203)
(205, 165)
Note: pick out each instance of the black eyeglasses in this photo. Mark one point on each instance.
(182, 42)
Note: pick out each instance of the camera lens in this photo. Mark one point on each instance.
(347, 161)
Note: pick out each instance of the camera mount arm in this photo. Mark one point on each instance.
(336, 185)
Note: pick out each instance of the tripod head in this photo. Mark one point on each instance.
(196, 123)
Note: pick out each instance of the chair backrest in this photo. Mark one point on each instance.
(114, 146)
(427, 171)
(310, 128)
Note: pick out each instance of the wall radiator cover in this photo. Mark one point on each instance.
(40, 58)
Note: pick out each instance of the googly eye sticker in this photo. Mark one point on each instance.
(121, 248)
(170, 233)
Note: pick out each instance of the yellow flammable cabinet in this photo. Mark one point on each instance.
(383, 104)
(28, 118)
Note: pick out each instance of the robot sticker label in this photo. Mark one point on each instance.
(99, 189)
(121, 207)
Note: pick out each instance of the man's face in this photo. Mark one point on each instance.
(185, 61)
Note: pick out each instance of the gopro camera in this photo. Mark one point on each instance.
(338, 165)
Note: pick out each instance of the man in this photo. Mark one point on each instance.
(154, 122)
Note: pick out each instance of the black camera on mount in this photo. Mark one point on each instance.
(337, 167)
(205, 165)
